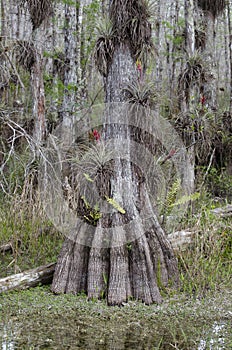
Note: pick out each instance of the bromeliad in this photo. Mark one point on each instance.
(202, 99)
(139, 67)
(169, 156)
(94, 135)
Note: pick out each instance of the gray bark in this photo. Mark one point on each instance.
(187, 105)
(37, 85)
(230, 52)
(70, 75)
(117, 272)
(28, 279)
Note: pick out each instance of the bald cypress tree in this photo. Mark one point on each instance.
(124, 268)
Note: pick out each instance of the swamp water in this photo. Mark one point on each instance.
(36, 319)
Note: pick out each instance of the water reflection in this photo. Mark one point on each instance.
(14, 337)
(6, 336)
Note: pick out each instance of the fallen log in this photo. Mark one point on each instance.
(28, 279)
(10, 246)
(224, 211)
(180, 240)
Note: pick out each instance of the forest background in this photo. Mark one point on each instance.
(48, 72)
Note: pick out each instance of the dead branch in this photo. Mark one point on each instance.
(180, 240)
(5, 248)
(223, 212)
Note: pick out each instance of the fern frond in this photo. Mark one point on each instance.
(186, 198)
(172, 194)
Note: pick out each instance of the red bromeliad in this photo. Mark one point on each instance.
(170, 155)
(139, 67)
(202, 99)
(96, 135)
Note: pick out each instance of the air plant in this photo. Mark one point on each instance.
(213, 7)
(140, 38)
(200, 38)
(104, 47)
(89, 164)
(59, 64)
(124, 11)
(39, 10)
(140, 93)
(194, 72)
(196, 130)
(25, 54)
(129, 23)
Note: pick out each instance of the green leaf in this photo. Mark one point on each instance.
(88, 178)
(186, 198)
(85, 202)
(112, 202)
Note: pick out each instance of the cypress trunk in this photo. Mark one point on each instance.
(125, 267)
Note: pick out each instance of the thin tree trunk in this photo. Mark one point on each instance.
(190, 27)
(70, 75)
(158, 76)
(37, 84)
(230, 53)
(187, 105)
(3, 23)
(79, 33)
(173, 68)
(226, 53)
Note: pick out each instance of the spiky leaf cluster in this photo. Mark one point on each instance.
(59, 64)
(104, 47)
(130, 19)
(128, 23)
(200, 39)
(141, 93)
(25, 54)
(194, 72)
(39, 10)
(213, 7)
